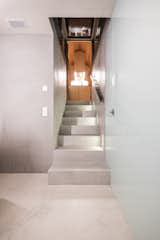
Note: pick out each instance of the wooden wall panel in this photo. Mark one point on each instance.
(79, 60)
(79, 93)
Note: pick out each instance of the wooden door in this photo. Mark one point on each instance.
(79, 61)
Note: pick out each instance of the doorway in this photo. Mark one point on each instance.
(79, 40)
(79, 85)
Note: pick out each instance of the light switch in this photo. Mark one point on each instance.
(44, 111)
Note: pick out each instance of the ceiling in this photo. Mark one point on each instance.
(36, 13)
(79, 29)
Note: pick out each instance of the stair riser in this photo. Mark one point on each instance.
(79, 114)
(79, 158)
(79, 177)
(88, 164)
(79, 121)
(77, 103)
(79, 140)
(79, 108)
(79, 130)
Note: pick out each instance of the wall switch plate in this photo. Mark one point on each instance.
(44, 111)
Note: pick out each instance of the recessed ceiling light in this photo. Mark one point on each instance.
(16, 22)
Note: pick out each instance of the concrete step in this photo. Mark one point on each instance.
(79, 121)
(78, 103)
(61, 176)
(77, 148)
(79, 130)
(64, 140)
(79, 166)
(79, 107)
(79, 157)
(79, 113)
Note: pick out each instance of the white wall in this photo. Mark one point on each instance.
(26, 138)
(60, 80)
(99, 75)
(133, 57)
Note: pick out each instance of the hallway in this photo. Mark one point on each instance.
(79, 120)
(32, 210)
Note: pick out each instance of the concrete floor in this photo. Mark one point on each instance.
(32, 210)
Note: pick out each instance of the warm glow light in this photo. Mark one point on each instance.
(75, 83)
(79, 79)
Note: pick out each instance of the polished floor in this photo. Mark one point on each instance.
(32, 210)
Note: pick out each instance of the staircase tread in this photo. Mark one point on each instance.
(63, 135)
(81, 105)
(79, 113)
(67, 169)
(78, 103)
(78, 117)
(77, 121)
(75, 147)
(87, 165)
(79, 126)
(80, 135)
(79, 110)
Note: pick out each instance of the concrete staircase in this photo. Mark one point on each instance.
(79, 158)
